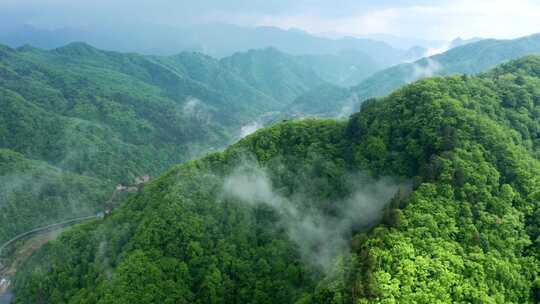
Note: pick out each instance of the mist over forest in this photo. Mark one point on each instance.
(269, 152)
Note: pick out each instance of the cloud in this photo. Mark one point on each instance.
(437, 50)
(428, 19)
(350, 105)
(250, 128)
(320, 236)
(426, 68)
(436, 20)
(190, 105)
(371, 22)
(195, 109)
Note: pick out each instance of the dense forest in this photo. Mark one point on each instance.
(429, 195)
(104, 117)
(33, 193)
(97, 118)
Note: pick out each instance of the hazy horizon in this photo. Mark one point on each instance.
(418, 19)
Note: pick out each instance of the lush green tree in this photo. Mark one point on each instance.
(467, 231)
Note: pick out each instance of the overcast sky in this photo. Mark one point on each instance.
(444, 19)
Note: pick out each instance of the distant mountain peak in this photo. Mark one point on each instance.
(5, 50)
(460, 41)
(77, 48)
(27, 48)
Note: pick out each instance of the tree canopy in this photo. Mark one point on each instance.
(468, 231)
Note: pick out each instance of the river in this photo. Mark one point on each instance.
(23, 251)
(5, 294)
(6, 297)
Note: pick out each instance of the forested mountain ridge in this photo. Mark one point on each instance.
(471, 58)
(346, 68)
(277, 74)
(274, 71)
(216, 40)
(109, 117)
(35, 194)
(468, 232)
(188, 98)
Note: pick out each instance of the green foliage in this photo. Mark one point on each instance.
(108, 117)
(322, 101)
(180, 242)
(347, 68)
(469, 59)
(33, 194)
(282, 76)
(465, 234)
(468, 232)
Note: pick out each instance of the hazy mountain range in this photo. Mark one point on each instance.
(471, 58)
(429, 194)
(422, 190)
(219, 40)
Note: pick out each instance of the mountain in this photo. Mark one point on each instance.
(34, 194)
(427, 195)
(460, 42)
(321, 101)
(276, 74)
(217, 40)
(46, 39)
(405, 42)
(471, 58)
(343, 69)
(259, 66)
(100, 118)
(468, 59)
(223, 40)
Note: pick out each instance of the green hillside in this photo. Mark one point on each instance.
(469, 59)
(109, 117)
(34, 194)
(429, 195)
(346, 68)
(322, 101)
(277, 74)
(472, 58)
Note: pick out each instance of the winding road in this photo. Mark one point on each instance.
(5, 281)
(45, 228)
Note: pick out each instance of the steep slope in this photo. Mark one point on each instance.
(34, 194)
(471, 58)
(346, 68)
(285, 76)
(269, 219)
(244, 260)
(321, 101)
(113, 117)
(277, 74)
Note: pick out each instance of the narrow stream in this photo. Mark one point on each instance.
(6, 297)
(5, 293)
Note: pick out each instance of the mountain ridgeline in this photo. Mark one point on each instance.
(429, 195)
(98, 118)
(471, 58)
(216, 40)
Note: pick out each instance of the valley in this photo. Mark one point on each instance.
(472, 165)
(9, 264)
(219, 163)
